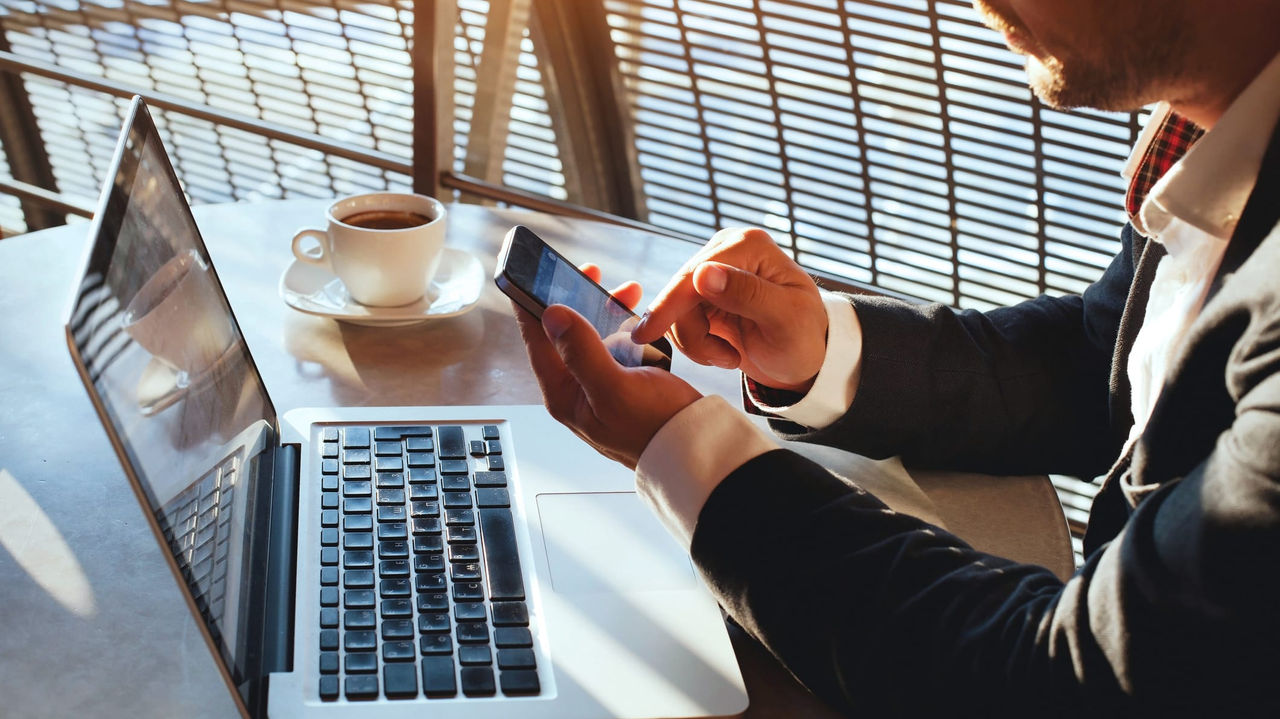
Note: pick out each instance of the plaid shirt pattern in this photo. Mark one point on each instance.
(1176, 135)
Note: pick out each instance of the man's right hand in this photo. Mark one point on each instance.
(741, 302)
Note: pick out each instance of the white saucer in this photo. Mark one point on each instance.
(317, 291)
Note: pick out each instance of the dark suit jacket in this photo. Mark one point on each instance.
(1176, 611)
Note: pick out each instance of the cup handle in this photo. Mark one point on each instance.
(314, 254)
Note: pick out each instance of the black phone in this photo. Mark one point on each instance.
(536, 276)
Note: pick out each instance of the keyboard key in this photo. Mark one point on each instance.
(393, 530)
(329, 482)
(455, 483)
(329, 434)
(329, 688)
(329, 555)
(451, 442)
(360, 641)
(495, 463)
(457, 517)
(462, 535)
(356, 471)
(468, 591)
(465, 572)
(399, 651)
(492, 497)
(392, 588)
(386, 449)
(493, 447)
(470, 612)
(419, 492)
(391, 568)
(328, 640)
(364, 686)
(427, 525)
(457, 500)
(489, 431)
(420, 444)
(359, 599)
(328, 596)
(328, 576)
(357, 560)
(453, 466)
(477, 448)
(464, 553)
(433, 582)
(357, 505)
(329, 663)
(356, 456)
(393, 549)
(328, 500)
(510, 614)
(329, 518)
(357, 540)
(396, 608)
(434, 623)
(421, 459)
(435, 644)
(355, 437)
(516, 637)
(358, 579)
(517, 682)
(473, 633)
(391, 496)
(474, 654)
(357, 488)
(359, 619)
(516, 659)
(391, 480)
(428, 563)
(357, 523)
(433, 602)
(329, 537)
(329, 617)
(400, 681)
(421, 475)
(361, 663)
(390, 432)
(427, 544)
(388, 464)
(392, 514)
(424, 509)
(478, 682)
(329, 466)
(437, 674)
(501, 558)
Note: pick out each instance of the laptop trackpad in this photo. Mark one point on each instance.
(609, 542)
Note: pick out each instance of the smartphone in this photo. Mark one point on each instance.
(536, 277)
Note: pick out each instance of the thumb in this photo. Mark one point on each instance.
(580, 348)
(741, 293)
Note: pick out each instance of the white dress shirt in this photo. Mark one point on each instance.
(1192, 211)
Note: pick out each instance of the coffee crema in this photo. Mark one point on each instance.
(386, 219)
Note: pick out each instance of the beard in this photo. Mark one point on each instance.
(1116, 71)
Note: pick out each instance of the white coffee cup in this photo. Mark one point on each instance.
(176, 316)
(384, 246)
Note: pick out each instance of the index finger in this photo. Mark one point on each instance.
(676, 299)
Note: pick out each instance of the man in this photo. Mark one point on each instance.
(1167, 370)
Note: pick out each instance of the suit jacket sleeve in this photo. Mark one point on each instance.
(1017, 390)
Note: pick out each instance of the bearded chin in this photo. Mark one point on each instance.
(1113, 87)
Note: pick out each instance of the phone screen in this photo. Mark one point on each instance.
(541, 277)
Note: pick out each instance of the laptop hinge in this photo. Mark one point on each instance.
(277, 644)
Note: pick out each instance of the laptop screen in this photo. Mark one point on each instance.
(170, 374)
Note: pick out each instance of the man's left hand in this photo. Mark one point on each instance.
(615, 409)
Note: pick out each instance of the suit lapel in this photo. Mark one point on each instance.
(1261, 213)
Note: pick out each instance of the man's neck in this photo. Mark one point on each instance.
(1237, 41)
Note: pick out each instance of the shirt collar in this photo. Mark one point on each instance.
(1206, 181)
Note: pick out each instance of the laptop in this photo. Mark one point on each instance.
(402, 561)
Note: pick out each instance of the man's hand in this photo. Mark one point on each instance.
(741, 302)
(615, 409)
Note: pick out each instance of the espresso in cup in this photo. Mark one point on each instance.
(384, 246)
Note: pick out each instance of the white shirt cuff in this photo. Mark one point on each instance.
(690, 455)
(832, 392)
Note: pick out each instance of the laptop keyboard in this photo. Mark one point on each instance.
(421, 589)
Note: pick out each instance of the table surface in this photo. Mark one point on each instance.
(91, 620)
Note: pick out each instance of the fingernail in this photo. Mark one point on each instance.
(714, 279)
(640, 325)
(555, 324)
